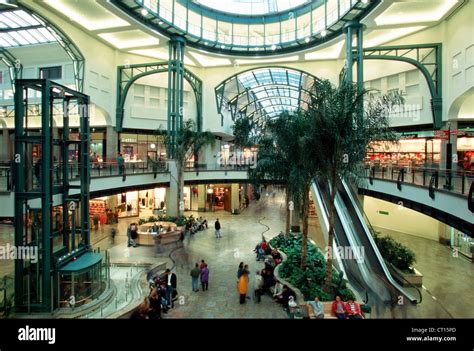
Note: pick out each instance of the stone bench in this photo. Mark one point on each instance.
(328, 314)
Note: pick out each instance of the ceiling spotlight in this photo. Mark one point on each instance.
(144, 12)
(365, 1)
(206, 43)
(160, 23)
(324, 33)
(274, 47)
(307, 39)
(222, 46)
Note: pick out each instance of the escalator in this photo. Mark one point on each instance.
(365, 269)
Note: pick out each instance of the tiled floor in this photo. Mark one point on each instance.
(448, 279)
(240, 234)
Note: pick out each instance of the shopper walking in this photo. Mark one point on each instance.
(217, 226)
(195, 272)
(205, 278)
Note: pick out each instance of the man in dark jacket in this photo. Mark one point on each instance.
(170, 286)
(217, 226)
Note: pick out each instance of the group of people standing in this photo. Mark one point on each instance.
(163, 291)
(200, 272)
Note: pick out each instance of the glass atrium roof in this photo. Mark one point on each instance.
(265, 92)
(19, 28)
(248, 27)
(251, 7)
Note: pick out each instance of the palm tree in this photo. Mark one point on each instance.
(342, 124)
(188, 141)
(282, 159)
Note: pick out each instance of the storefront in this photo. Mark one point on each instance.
(461, 242)
(465, 149)
(129, 204)
(413, 152)
(98, 147)
(139, 147)
(226, 197)
(190, 198)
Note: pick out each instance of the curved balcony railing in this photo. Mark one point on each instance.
(109, 169)
(456, 181)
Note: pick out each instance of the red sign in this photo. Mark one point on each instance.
(442, 134)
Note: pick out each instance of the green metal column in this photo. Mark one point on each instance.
(355, 28)
(175, 90)
(46, 194)
(19, 177)
(360, 58)
(85, 170)
(65, 172)
(349, 58)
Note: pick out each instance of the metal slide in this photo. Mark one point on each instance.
(365, 269)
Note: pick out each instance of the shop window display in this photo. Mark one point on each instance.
(462, 243)
(128, 204)
(418, 152)
(142, 147)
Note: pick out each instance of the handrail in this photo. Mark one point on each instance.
(459, 180)
(320, 199)
(373, 233)
(409, 283)
(374, 245)
(470, 198)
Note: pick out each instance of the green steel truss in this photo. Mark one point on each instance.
(15, 68)
(128, 74)
(427, 58)
(41, 175)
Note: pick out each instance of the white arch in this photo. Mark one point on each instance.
(453, 111)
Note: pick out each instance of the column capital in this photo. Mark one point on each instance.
(175, 38)
(354, 24)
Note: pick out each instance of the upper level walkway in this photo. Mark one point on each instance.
(442, 194)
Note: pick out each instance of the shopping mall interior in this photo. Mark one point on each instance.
(318, 154)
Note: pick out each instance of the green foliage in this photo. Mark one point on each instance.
(188, 140)
(311, 279)
(396, 253)
(7, 300)
(343, 122)
(244, 130)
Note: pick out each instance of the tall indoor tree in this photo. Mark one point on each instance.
(189, 141)
(282, 158)
(343, 122)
